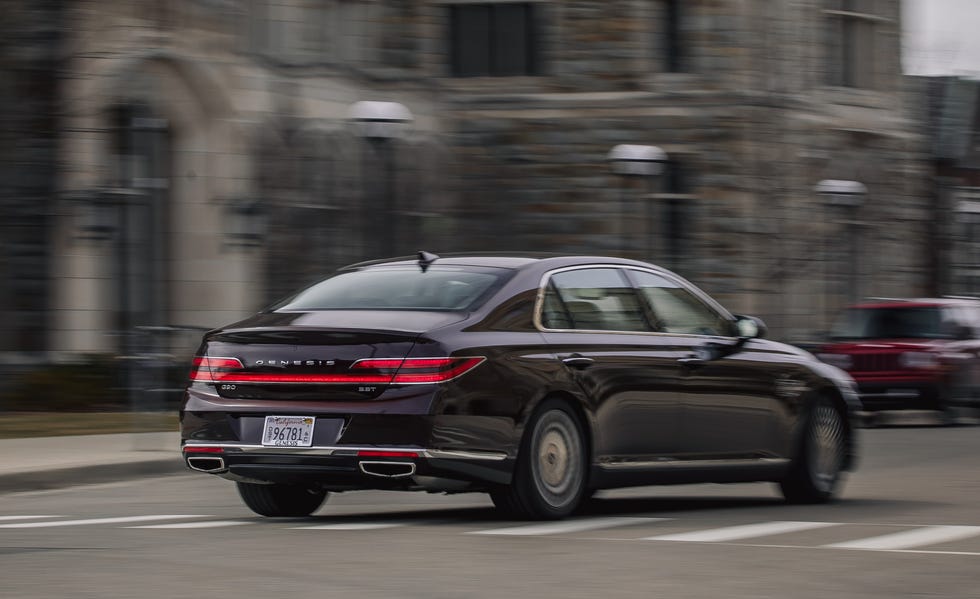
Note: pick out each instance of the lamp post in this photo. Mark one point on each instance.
(632, 161)
(846, 197)
(380, 124)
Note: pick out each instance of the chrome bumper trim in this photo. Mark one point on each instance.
(666, 464)
(349, 451)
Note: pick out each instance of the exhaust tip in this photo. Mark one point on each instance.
(209, 464)
(387, 469)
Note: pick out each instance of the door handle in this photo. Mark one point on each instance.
(577, 361)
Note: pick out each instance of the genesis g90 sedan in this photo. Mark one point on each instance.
(536, 380)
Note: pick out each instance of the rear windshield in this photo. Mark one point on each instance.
(920, 322)
(401, 288)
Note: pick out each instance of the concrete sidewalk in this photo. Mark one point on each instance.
(52, 462)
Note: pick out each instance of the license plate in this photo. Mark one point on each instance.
(288, 431)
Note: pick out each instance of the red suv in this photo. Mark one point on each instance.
(910, 354)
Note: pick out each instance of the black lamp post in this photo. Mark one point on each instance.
(632, 161)
(380, 123)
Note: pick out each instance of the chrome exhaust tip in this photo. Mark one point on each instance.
(387, 469)
(209, 464)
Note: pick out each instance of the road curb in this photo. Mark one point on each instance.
(57, 478)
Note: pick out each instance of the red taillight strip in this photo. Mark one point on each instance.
(405, 371)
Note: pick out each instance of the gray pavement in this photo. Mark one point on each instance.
(51, 462)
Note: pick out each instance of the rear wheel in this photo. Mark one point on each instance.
(281, 500)
(815, 471)
(550, 473)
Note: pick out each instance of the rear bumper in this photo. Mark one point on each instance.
(340, 468)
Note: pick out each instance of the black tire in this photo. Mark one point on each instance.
(550, 475)
(815, 472)
(279, 501)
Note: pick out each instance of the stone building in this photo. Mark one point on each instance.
(188, 161)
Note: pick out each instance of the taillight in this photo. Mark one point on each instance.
(211, 369)
(420, 370)
(369, 371)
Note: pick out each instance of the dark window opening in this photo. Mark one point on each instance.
(495, 40)
(672, 45)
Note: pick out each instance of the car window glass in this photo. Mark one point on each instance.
(676, 309)
(398, 288)
(598, 299)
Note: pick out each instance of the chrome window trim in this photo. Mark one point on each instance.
(700, 295)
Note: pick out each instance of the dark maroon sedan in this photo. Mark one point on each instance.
(536, 380)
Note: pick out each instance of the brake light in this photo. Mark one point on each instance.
(420, 370)
(369, 371)
(209, 369)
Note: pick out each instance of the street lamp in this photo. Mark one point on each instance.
(847, 196)
(381, 123)
(632, 161)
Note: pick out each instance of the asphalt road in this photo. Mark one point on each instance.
(907, 525)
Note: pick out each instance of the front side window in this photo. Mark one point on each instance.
(593, 299)
(493, 40)
(400, 288)
(677, 310)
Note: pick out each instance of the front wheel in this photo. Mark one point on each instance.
(278, 501)
(550, 474)
(815, 471)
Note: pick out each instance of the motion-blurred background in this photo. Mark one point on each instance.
(168, 166)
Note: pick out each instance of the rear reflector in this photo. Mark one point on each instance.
(195, 449)
(370, 371)
(371, 453)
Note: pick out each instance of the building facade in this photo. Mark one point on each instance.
(196, 159)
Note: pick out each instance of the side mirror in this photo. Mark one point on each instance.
(750, 327)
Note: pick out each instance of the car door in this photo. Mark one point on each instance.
(730, 410)
(593, 320)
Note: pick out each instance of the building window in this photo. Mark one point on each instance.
(672, 42)
(851, 44)
(495, 40)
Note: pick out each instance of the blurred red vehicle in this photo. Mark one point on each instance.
(910, 353)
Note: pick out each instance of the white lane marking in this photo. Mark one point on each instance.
(929, 535)
(745, 531)
(117, 520)
(350, 526)
(206, 524)
(566, 526)
(9, 518)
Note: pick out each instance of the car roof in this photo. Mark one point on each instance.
(504, 260)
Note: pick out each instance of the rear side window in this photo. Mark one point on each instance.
(400, 288)
(592, 299)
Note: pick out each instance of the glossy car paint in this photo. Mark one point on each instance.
(652, 414)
